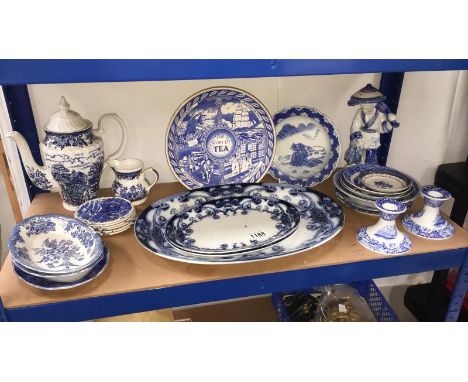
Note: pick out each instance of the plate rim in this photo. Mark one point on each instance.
(205, 90)
(276, 173)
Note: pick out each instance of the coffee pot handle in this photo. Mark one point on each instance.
(100, 131)
(149, 185)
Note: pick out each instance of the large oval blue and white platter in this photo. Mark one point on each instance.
(320, 220)
(219, 136)
(307, 146)
(232, 224)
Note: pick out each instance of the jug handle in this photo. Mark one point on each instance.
(149, 185)
(100, 130)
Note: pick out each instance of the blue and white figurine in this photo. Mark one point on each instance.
(131, 180)
(73, 155)
(220, 136)
(372, 118)
(307, 146)
(384, 236)
(429, 223)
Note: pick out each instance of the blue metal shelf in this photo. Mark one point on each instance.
(20, 72)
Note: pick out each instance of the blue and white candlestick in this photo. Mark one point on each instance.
(429, 223)
(384, 236)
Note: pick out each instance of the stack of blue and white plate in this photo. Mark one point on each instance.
(359, 186)
(108, 215)
(56, 252)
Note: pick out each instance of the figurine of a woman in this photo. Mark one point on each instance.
(371, 119)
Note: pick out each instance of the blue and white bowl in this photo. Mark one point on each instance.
(429, 223)
(54, 245)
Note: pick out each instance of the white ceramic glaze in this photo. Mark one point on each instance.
(429, 223)
(73, 155)
(384, 236)
(131, 181)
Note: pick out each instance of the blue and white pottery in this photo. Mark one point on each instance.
(429, 223)
(385, 183)
(41, 283)
(321, 220)
(384, 236)
(73, 155)
(372, 118)
(105, 210)
(231, 225)
(131, 180)
(218, 136)
(359, 199)
(54, 244)
(307, 146)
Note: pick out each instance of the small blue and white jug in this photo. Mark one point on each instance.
(130, 180)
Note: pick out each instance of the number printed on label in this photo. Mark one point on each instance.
(257, 235)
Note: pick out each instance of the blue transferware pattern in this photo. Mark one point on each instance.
(352, 175)
(54, 244)
(220, 136)
(307, 146)
(429, 223)
(73, 156)
(243, 223)
(41, 283)
(104, 210)
(384, 236)
(321, 220)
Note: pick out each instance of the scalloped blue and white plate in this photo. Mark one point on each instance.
(232, 225)
(307, 146)
(321, 220)
(219, 136)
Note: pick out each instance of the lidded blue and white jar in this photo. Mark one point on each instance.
(73, 155)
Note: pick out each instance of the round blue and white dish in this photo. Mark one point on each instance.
(320, 220)
(429, 223)
(106, 210)
(219, 136)
(54, 244)
(232, 224)
(384, 236)
(307, 146)
(41, 283)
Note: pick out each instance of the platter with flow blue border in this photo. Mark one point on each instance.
(307, 146)
(219, 136)
(320, 220)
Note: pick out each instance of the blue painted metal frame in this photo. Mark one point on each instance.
(458, 293)
(139, 301)
(14, 72)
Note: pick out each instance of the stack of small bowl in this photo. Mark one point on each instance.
(56, 252)
(107, 216)
(359, 186)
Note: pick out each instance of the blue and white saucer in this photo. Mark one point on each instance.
(384, 236)
(232, 225)
(429, 223)
(41, 283)
(219, 136)
(307, 146)
(107, 210)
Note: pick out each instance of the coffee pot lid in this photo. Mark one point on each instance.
(66, 120)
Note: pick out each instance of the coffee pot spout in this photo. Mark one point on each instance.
(40, 176)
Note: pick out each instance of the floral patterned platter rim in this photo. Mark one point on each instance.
(315, 116)
(41, 283)
(220, 135)
(54, 244)
(105, 211)
(352, 175)
(244, 224)
(321, 220)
